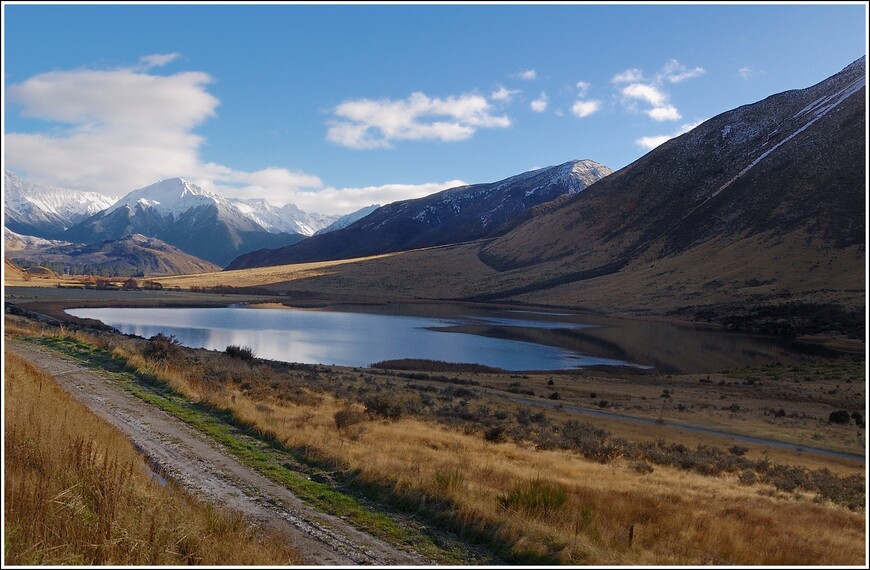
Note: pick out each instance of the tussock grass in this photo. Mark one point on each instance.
(528, 505)
(76, 492)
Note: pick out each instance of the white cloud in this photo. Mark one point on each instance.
(628, 76)
(366, 123)
(654, 141)
(330, 200)
(648, 93)
(157, 59)
(748, 72)
(504, 94)
(539, 105)
(660, 109)
(124, 129)
(582, 88)
(585, 108)
(664, 113)
(652, 92)
(675, 72)
(528, 74)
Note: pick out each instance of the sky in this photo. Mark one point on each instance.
(334, 107)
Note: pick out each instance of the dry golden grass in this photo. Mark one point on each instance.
(76, 492)
(678, 517)
(547, 505)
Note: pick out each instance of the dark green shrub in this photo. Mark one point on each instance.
(245, 353)
(162, 347)
(840, 417)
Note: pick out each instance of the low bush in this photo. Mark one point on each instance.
(840, 417)
(163, 348)
(347, 417)
(245, 353)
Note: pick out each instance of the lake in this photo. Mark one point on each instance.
(512, 340)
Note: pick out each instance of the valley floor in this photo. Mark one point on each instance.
(483, 466)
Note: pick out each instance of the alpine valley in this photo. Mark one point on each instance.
(755, 219)
(661, 364)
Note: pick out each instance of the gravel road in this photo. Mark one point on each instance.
(205, 470)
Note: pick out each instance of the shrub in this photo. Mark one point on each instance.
(839, 417)
(381, 406)
(162, 347)
(245, 353)
(348, 417)
(494, 434)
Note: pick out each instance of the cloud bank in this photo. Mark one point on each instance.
(123, 129)
(369, 124)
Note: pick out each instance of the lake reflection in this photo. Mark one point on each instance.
(349, 339)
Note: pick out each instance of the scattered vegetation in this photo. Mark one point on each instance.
(530, 485)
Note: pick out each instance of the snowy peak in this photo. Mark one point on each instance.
(348, 219)
(287, 218)
(173, 196)
(45, 211)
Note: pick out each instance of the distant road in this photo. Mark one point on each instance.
(688, 427)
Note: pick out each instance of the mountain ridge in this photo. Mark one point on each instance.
(131, 255)
(451, 216)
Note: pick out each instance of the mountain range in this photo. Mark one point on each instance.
(451, 216)
(176, 211)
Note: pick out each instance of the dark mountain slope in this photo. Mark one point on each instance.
(791, 164)
(452, 216)
(131, 255)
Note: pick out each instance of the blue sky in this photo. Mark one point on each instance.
(333, 107)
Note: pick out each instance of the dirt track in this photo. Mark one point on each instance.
(201, 467)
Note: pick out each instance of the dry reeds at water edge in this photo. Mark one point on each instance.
(77, 492)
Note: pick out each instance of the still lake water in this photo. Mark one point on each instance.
(512, 340)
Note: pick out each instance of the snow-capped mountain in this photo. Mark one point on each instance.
(46, 211)
(171, 197)
(175, 196)
(348, 219)
(13, 241)
(451, 216)
(184, 215)
(287, 218)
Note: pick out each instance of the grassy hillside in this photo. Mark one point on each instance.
(76, 492)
